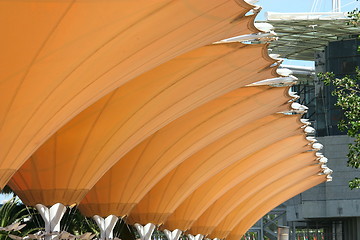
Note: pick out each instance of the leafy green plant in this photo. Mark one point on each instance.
(354, 17)
(347, 91)
(13, 212)
(76, 223)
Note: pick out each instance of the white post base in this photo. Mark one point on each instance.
(146, 231)
(174, 235)
(52, 217)
(106, 226)
(197, 237)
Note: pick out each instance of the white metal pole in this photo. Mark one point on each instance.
(336, 5)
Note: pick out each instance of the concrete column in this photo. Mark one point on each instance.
(283, 233)
(146, 231)
(106, 226)
(174, 235)
(197, 237)
(52, 217)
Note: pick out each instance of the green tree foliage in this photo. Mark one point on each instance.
(12, 212)
(354, 18)
(7, 190)
(76, 223)
(347, 91)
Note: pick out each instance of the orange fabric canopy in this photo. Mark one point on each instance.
(129, 180)
(235, 175)
(168, 193)
(59, 57)
(259, 198)
(227, 203)
(131, 111)
(78, 154)
(271, 202)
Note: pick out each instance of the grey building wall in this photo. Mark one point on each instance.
(332, 199)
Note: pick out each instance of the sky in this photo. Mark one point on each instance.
(303, 6)
(287, 6)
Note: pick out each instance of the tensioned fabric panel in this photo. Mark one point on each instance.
(59, 57)
(259, 198)
(137, 172)
(88, 84)
(203, 197)
(249, 186)
(65, 167)
(169, 193)
(251, 218)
